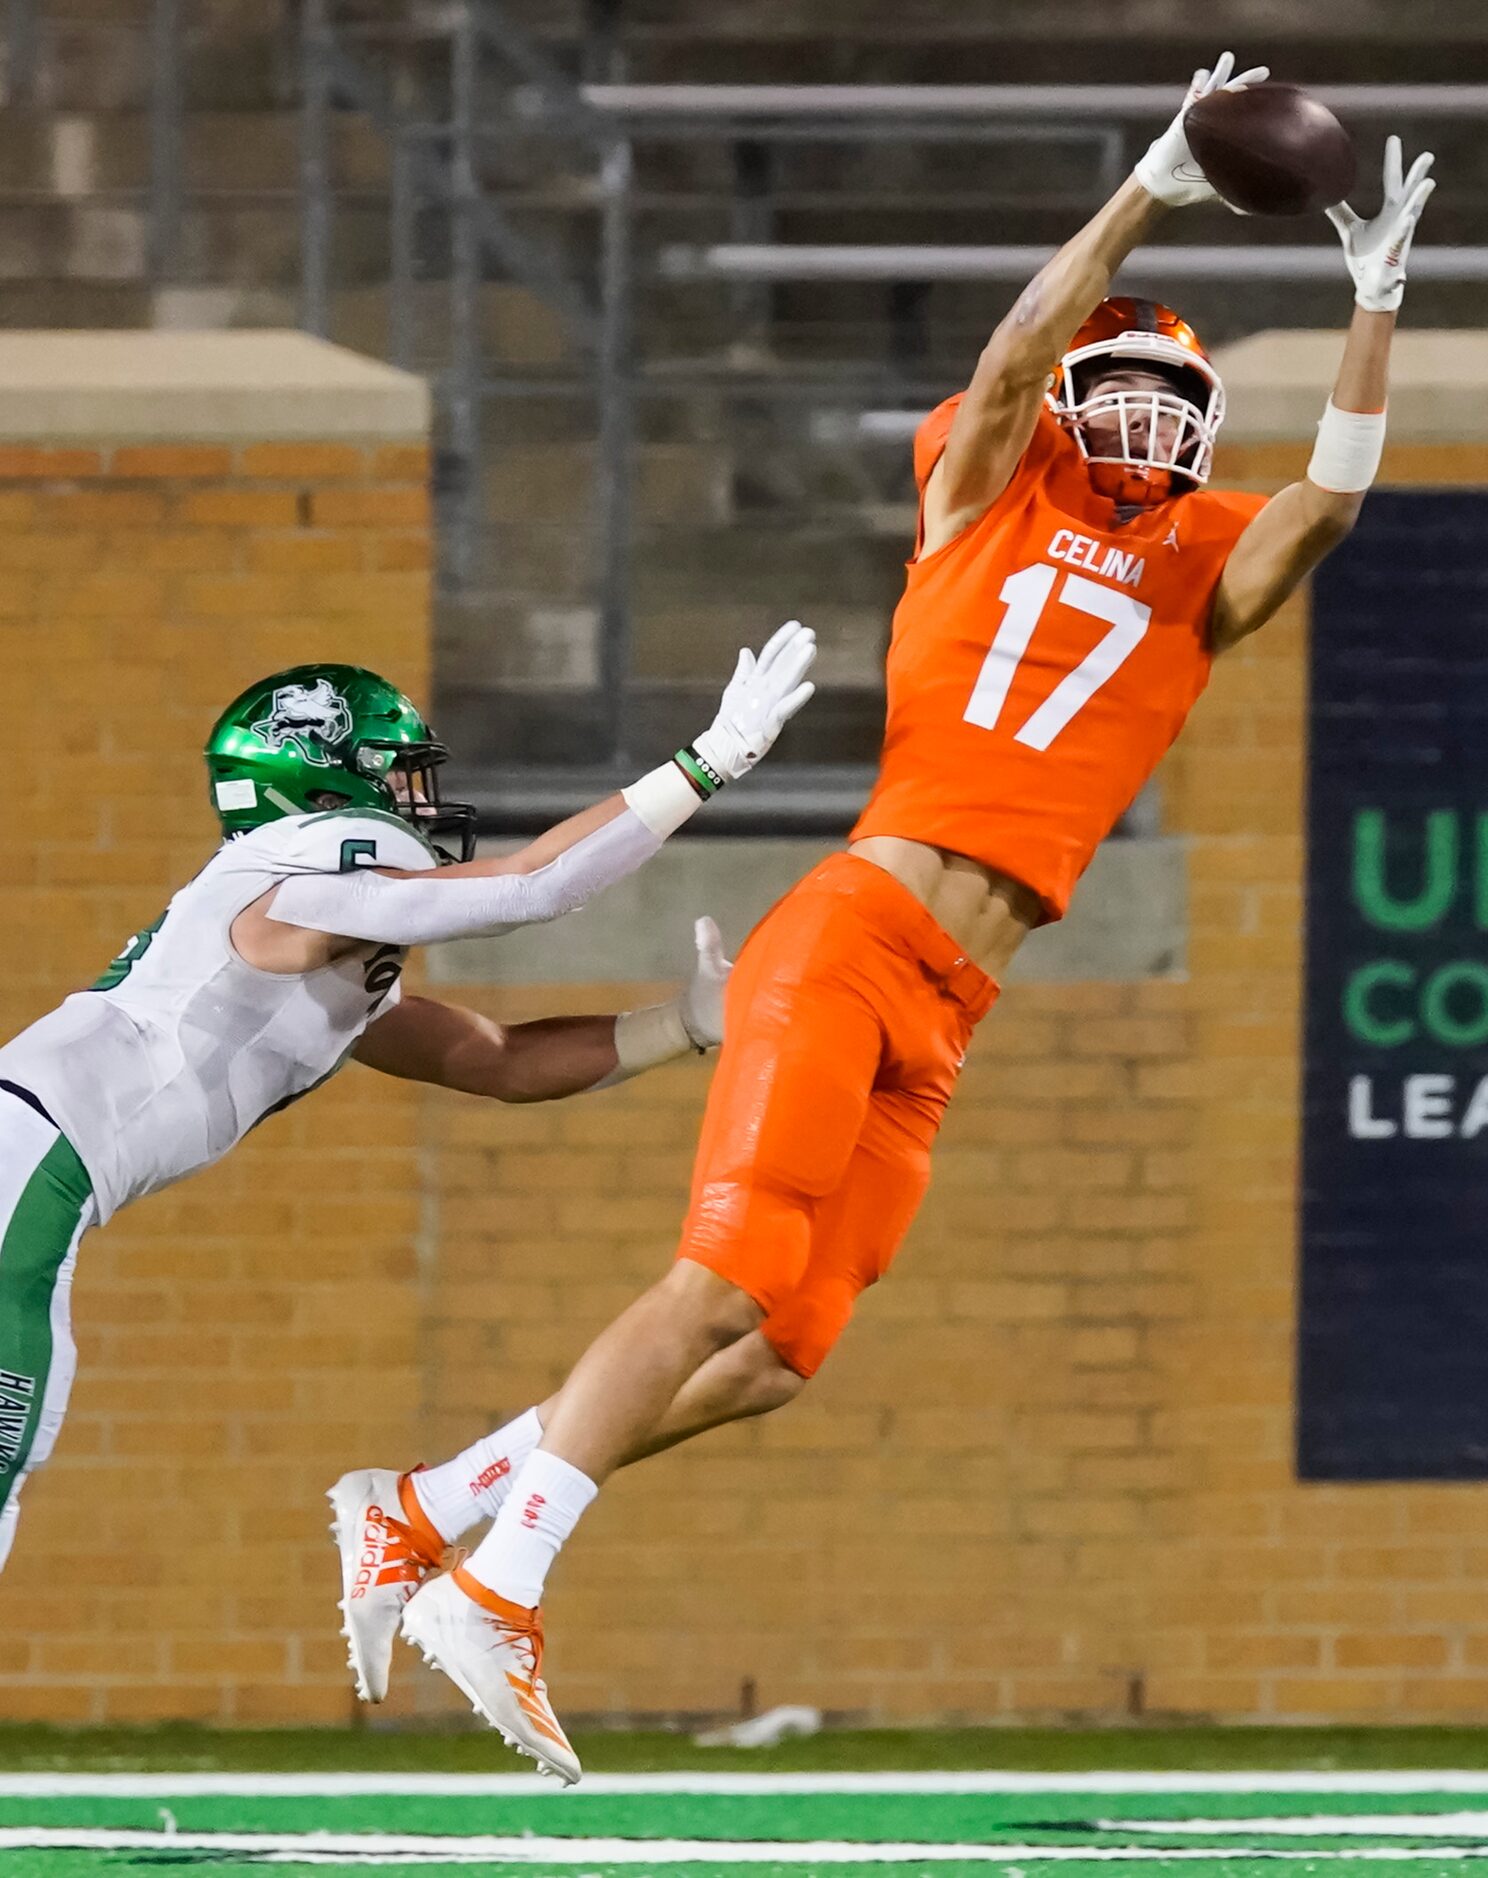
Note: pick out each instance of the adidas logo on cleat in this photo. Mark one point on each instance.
(384, 1560)
(372, 1544)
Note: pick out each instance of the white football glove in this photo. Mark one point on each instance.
(762, 697)
(693, 1020)
(1168, 169)
(1376, 250)
(701, 998)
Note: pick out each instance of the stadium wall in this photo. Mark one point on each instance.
(178, 515)
(1048, 1475)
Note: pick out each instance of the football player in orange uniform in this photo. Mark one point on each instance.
(1073, 579)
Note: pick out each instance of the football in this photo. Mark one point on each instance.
(1271, 149)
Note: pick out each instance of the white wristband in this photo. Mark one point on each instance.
(646, 1038)
(663, 799)
(1346, 456)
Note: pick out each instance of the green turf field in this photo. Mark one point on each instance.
(185, 1748)
(1002, 1805)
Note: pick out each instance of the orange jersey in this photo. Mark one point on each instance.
(1043, 661)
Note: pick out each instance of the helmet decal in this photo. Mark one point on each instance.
(317, 737)
(315, 718)
(240, 793)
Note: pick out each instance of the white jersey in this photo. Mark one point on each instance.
(182, 1047)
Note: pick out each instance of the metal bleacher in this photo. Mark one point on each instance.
(658, 267)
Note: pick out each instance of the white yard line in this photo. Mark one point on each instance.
(40, 1786)
(321, 1848)
(1020, 1857)
(1323, 1825)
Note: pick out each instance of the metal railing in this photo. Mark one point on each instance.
(917, 105)
(435, 161)
(490, 89)
(28, 31)
(1181, 261)
(440, 146)
(22, 50)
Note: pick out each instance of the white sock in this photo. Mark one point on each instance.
(474, 1485)
(541, 1510)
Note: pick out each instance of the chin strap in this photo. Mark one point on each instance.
(1129, 489)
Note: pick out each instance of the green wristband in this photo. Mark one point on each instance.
(703, 777)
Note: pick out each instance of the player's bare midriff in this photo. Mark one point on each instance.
(987, 913)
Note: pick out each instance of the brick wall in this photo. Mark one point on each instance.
(1048, 1474)
(934, 1528)
(1344, 1602)
(242, 1333)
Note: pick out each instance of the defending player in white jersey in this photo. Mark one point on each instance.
(281, 960)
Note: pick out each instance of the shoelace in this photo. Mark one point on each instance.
(527, 1639)
(404, 1555)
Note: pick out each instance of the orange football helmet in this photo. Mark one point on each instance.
(1176, 448)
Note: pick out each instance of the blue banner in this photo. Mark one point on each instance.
(1393, 1311)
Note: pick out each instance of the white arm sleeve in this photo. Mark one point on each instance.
(363, 904)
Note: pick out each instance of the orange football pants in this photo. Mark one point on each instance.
(848, 1016)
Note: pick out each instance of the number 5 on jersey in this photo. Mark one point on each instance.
(1025, 595)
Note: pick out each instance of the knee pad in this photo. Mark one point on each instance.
(803, 1330)
(755, 1237)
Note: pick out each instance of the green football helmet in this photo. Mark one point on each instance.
(329, 737)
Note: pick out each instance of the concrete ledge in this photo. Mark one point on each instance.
(1128, 922)
(1276, 384)
(200, 386)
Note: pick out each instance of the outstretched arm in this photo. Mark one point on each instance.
(310, 919)
(996, 418)
(1302, 523)
(425, 1041)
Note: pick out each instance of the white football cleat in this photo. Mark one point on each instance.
(492, 1651)
(388, 1548)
